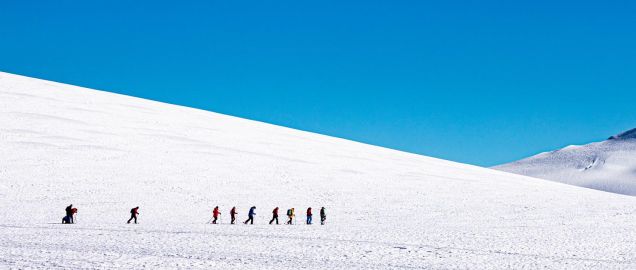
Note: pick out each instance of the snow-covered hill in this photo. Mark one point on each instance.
(107, 153)
(609, 165)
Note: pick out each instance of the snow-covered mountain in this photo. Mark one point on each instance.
(107, 153)
(609, 165)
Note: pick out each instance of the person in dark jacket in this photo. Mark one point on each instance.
(215, 214)
(323, 216)
(274, 216)
(250, 215)
(309, 215)
(68, 219)
(233, 215)
(133, 214)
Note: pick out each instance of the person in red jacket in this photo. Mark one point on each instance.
(74, 213)
(309, 216)
(215, 214)
(274, 216)
(133, 214)
(233, 215)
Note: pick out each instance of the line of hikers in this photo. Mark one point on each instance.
(134, 212)
(252, 212)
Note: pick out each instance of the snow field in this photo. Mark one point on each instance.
(386, 209)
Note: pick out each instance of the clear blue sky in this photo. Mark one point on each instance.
(482, 82)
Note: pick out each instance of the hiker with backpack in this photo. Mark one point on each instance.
(68, 219)
(215, 214)
(290, 215)
(133, 214)
(250, 215)
(323, 216)
(309, 215)
(233, 215)
(274, 216)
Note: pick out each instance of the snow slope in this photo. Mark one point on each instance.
(107, 153)
(609, 165)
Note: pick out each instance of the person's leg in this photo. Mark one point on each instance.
(131, 218)
(135, 219)
(270, 222)
(276, 220)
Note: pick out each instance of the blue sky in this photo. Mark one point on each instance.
(481, 82)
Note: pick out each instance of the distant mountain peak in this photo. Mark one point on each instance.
(630, 134)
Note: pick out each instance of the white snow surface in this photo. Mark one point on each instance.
(609, 165)
(387, 209)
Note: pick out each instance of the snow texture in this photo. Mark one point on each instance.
(608, 165)
(107, 153)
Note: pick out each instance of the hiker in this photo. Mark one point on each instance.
(133, 214)
(233, 214)
(323, 216)
(68, 219)
(274, 216)
(309, 216)
(73, 213)
(290, 215)
(250, 215)
(215, 214)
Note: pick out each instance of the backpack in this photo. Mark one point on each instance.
(289, 212)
